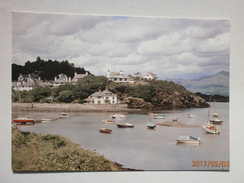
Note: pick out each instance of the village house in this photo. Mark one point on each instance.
(150, 76)
(26, 82)
(61, 79)
(78, 76)
(102, 97)
(119, 77)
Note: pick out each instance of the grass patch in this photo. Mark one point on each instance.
(34, 152)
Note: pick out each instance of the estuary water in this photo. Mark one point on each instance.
(139, 147)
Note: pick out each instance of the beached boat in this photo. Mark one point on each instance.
(175, 119)
(63, 115)
(115, 116)
(191, 116)
(24, 121)
(105, 130)
(211, 129)
(188, 140)
(46, 120)
(151, 125)
(158, 116)
(216, 121)
(109, 121)
(125, 125)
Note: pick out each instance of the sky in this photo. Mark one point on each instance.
(171, 48)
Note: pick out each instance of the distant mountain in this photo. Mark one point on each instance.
(217, 84)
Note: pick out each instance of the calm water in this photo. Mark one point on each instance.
(139, 147)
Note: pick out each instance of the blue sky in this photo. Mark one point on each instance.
(169, 47)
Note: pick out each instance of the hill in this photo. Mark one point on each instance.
(217, 84)
(47, 70)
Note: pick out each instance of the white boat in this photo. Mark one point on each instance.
(125, 125)
(188, 140)
(115, 116)
(216, 121)
(211, 129)
(191, 116)
(63, 115)
(109, 121)
(46, 120)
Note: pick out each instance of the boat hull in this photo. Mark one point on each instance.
(105, 130)
(23, 121)
(151, 125)
(210, 129)
(125, 125)
(216, 121)
(188, 140)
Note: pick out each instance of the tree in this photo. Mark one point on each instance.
(40, 93)
(91, 84)
(65, 96)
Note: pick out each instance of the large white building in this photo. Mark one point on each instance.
(119, 77)
(102, 97)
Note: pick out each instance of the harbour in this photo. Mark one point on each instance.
(139, 147)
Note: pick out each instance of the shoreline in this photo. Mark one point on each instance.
(73, 107)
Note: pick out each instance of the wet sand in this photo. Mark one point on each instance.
(176, 124)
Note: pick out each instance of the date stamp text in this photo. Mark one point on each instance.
(210, 164)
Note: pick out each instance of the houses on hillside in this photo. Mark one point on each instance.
(30, 81)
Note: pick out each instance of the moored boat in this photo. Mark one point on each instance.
(216, 121)
(46, 120)
(191, 116)
(151, 125)
(175, 119)
(210, 129)
(105, 130)
(158, 116)
(63, 115)
(23, 121)
(118, 116)
(109, 121)
(188, 140)
(124, 125)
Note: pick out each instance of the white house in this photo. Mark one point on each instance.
(26, 82)
(61, 79)
(119, 77)
(150, 76)
(102, 97)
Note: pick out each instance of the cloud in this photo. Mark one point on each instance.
(167, 47)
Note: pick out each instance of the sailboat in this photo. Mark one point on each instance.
(210, 128)
(215, 120)
(215, 114)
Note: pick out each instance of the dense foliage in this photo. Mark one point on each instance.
(47, 70)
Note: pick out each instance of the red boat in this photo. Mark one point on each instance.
(23, 121)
